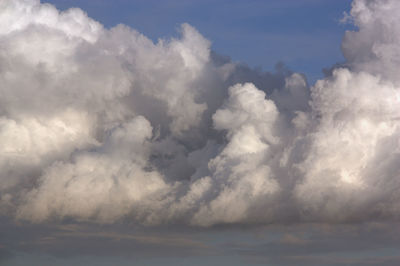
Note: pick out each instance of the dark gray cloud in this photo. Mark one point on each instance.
(306, 244)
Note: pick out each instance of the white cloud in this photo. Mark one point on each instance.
(104, 125)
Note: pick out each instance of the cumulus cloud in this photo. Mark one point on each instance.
(105, 125)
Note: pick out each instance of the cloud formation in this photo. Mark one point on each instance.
(104, 125)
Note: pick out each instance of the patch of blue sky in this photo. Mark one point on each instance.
(304, 34)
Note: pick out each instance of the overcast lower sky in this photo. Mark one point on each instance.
(196, 132)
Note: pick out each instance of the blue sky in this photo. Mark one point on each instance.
(304, 34)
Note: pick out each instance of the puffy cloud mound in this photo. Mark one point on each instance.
(104, 125)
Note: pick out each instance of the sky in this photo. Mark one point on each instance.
(199, 132)
(303, 34)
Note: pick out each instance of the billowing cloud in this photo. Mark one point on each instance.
(104, 125)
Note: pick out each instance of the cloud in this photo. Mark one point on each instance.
(374, 47)
(104, 125)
